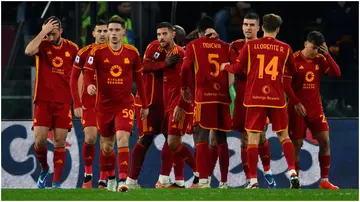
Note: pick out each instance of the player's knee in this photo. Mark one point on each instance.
(324, 141)
(221, 137)
(244, 138)
(40, 141)
(122, 140)
(90, 139)
(213, 142)
(107, 146)
(146, 140)
(173, 142)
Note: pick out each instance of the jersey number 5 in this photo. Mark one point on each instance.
(211, 59)
(271, 67)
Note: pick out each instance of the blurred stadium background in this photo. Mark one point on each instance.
(21, 21)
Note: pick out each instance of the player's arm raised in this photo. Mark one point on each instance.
(241, 62)
(89, 68)
(138, 77)
(74, 87)
(330, 66)
(186, 74)
(33, 47)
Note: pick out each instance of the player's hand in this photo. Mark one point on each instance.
(78, 112)
(172, 60)
(144, 113)
(300, 110)
(91, 89)
(210, 32)
(186, 95)
(178, 112)
(52, 24)
(222, 66)
(324, 48)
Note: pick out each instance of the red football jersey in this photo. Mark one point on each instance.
(172, 84)
(53, 70)
(78, 66)
(241, 81)
(153, 64)
(306, 83)
(264, 61)
(204, 56)
(114, 72)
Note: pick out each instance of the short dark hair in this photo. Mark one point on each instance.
(271, 22)
(53, 18)
(252, 16)
(315, 38)
(166, 25)
(118, 20)
(205, 23)
(100, 22)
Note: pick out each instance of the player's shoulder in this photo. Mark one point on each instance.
(154, 46)
(238, 42)
(97, 48)
(180, 49)
(131, 48)
(71, 44)
(297, 54)
(85, 49)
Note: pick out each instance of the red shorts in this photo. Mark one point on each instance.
(109, 123)
(88, 118)
(297, 124)
(213, 116)
(52, 115)
(152, 124)
(256, 119)
(239, 116)
(177, 128)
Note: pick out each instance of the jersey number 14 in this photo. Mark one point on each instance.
(270, 69)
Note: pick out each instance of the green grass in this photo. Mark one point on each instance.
(179, 194)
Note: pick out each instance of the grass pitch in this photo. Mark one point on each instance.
(179, 194)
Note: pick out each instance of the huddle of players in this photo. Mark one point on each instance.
(175, 87)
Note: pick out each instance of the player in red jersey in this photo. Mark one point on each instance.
(84, 105)
(250, 28)
(52, 98)
(175, 121)
(212, 99)
(116, 65)
(264, 61)
(311, 65)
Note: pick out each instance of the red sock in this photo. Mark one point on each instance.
(288, 149)
(324, 165)
(252, 159)
(264, 152)
(137, 156)
(123, 161)
(185, 153)
(178, 167)
(59, 162)
(107, 162)
(103, 175)
(244, 161)
(224, 158)
(166, 160)
(297, 167)
(41, 155)
(213, 153)
(196, 168)
(202, 156)
(88, 152)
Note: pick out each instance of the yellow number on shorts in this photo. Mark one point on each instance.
(323, 118)
(271, 67)
(128, 113)
(211, 60)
